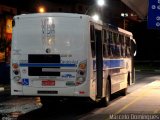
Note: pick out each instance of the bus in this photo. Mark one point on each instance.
(66, 55)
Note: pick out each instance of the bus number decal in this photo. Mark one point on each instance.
(48, 30)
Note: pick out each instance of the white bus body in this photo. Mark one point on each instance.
(51, 55)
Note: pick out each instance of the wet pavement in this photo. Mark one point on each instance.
(16, 106)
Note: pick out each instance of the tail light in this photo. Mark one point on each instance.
(81, 73)
(16, 72)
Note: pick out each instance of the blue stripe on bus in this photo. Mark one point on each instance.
(110, 64)
(46, 65)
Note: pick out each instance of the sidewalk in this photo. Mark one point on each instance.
(143, 101)
(148, 70)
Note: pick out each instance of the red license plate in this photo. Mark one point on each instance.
(48, 83)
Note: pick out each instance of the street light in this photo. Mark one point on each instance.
(41, 9)
(124, 15)
(100, 3)
(95, 17)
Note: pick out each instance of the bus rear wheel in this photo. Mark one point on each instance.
(105, 101)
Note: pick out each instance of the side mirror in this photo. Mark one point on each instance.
(134, 47)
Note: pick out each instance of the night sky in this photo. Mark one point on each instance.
(27, 3)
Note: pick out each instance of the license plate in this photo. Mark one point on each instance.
(48, 83)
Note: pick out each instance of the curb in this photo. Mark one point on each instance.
(1, 89)
(147, 70)
(4, 94)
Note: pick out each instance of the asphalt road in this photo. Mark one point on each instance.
(22, 108)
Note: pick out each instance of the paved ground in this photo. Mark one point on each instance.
(145, 101)
(143, 98)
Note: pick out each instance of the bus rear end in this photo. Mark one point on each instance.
(48, 56)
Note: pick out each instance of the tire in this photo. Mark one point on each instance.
(124, 92)
(128, 79)
(105, 101)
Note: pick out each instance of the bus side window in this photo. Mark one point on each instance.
(111, 44)
(114, 37)
(92, 36)
(117, 45)
(128, 47)
(105, 53)
(123, 47)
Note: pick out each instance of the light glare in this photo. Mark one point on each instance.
(50, 21)
(100, 2)
(95, 17)
(41, 9)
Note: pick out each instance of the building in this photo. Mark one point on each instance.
(6, 16)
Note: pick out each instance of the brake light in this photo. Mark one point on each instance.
(80, 76)
(81, 73)
(16, 73)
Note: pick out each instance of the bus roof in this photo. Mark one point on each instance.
(51, 14)
(72, 15)
(125, 31)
